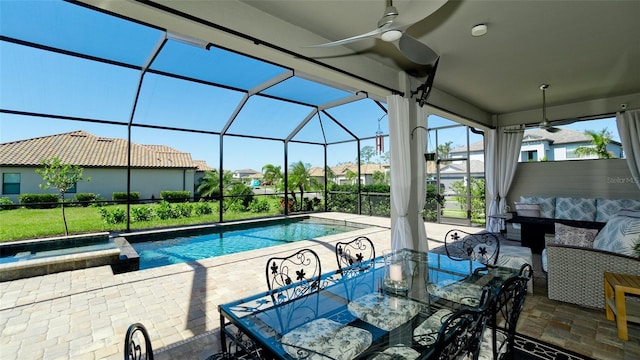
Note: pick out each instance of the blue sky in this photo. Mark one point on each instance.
(43, 82)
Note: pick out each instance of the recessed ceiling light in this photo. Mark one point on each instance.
(479, 30)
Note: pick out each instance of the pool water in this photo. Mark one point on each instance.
(225, 242)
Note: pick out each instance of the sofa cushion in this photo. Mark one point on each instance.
(575, 236)
(606, 208)
(619, 235)
(580, 209)
(547, 204)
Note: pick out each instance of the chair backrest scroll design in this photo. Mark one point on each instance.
(483, 247)
(136, 348)
(355, 255)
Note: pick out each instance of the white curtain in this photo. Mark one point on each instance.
(629, 129)
(398, 114)
(421, 174)
(502, 151)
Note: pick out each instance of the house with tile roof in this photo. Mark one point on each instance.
(539, 144)
(340, 172)
(154, 168)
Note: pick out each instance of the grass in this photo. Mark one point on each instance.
(37, 223)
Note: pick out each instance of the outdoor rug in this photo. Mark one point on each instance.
(527, 348)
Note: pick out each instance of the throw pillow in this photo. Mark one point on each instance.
(575, 236)
(619, 235)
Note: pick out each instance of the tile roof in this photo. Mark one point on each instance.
(85, 149)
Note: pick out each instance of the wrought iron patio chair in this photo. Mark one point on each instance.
(297, 277)
(507, 308)
(460, 335)
(356, 255)
(292, 276)
(483, 247)
(137, 345)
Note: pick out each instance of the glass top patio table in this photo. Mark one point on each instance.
(358, 299)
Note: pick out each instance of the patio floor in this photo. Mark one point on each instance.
(84, 314)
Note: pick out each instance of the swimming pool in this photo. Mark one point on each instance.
(225, 240)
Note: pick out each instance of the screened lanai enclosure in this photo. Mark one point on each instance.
(143, 111)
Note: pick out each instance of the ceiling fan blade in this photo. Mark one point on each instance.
(416, 51)
(370, 34)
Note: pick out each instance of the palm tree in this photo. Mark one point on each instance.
(599, 141)
(272, 173)
(210, 183)
(444, 150)
(300, 178)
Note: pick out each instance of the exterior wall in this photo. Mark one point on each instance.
(606, 178)
(149, 182)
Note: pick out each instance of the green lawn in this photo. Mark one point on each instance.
(37, 223)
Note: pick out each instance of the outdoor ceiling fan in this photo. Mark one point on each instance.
(391, 28)
(545, 124)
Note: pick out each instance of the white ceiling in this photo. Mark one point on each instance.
(586, 50)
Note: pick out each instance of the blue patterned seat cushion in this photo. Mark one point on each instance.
(384, 312)
(458, 292)
(606, 208)
(619, 235)
(580, 209)
(323, 337)
(427, 332)
(547, 204)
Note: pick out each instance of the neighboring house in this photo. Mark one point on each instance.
(247, 174)
(538, 145)
(340, 172)
(154, 168)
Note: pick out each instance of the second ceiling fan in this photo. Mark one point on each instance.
(392, 28)
(545, 124)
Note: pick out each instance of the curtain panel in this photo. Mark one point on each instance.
(502, 154)
(398, 115)
(421, 174)
(629, 129)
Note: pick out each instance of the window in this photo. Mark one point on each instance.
(72, 190)
(10, 183)
(531, 155)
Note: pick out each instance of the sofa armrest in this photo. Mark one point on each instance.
(576, 274)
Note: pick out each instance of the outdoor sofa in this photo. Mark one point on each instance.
(573, 265)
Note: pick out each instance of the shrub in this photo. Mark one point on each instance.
(142, 213)
(202, 208)
(240, 193)
(99, 201)
(85, 198)
(183, 209)
(134, 196)
(175, 196)
(165, 211)
(114, 216)
(260, 205)
(39, 201)
(6, 203)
